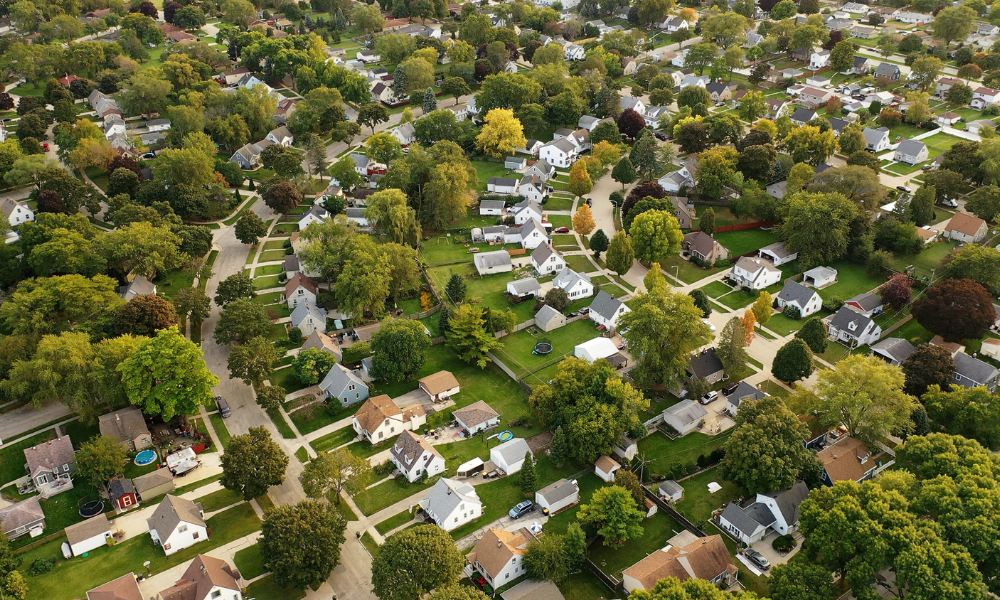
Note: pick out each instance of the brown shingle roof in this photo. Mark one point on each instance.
(299, 280)
(88, 529)
(124, 425)
(965, 223)
(49, 455)
(20, 514)
(842, 460)
(442, 381)
(474, 414)
(202, 575)
(151, 480)
(606, 463)
(498, 546)
(704, 558)
(410, 446)
(123, 588)
(376, 410)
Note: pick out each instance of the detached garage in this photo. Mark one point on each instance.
(558, 496)
(88, 535)
(595, 349)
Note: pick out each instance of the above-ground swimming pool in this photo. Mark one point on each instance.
(506, 436)
(145, 457)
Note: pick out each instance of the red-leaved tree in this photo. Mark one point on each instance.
(956, 309)
(630, 123)
(896, 292)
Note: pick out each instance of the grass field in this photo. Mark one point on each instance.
(518, 347)
(219, 500)
(490, 168)
(580, 263)
(852, 279)
(662, 452)
(740, 242)
(248, 561)
(656, 532)
(698, 503)
(685, 270)
(930, 258)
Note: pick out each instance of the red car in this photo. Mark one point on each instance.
(45, 147)
(561, 230)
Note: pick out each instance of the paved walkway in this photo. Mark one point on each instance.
(152, 586)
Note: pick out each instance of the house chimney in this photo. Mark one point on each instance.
(449, 491)
(499, 544)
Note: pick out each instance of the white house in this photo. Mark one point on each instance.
(206, 578)
(911, 152)
(281, 136)
(983, 97)
(774, 511)
(894, 350)
(316, 214)
(414, 456)
(819, 60)
(499, 555)
(177, 524)
(341, 383)
(300, 289)
(560, 153)
(754, 273)
(966, 228)
(477, 417)
(595, 349)
(379, 419)
(877, 140)
(794, 294)
(523, 288)
(451, 503)
(632, 103)
(558, 496)
(16, 212)
(853, 328)
(533, 188)
(546, 260)
(488, 263)
(357, 216)
(525, 211)
(743, 391)
(530, 235)
(605, 468)
(574, 52)
(914, 17)
(671, 491)
(576, 285)
(308, 318)
(606, 310)
(509, 456)
(491, 208)
(684, 416)
(88, 535)
(405, 133)
(502, 185)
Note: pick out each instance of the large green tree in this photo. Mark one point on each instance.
(252, 463)
(973, 413)
(400, 348)
(468, 335)
(331, 473)
(415, 561)
(236, 286)
(793, 361)
(612, 514)
(253, 362)
(300, 543)
(656, 234)
(242, 320)
(167, 375)
(101, 458)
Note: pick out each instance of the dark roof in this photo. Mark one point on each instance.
(789, 500)
(605, 304)
(559, 490)
(744, 391)
(845, 316)
(748, 520)
(796, 292)
(705, 364)
(120, 487)
(974, 369)
(898, 348)
(867, 301)
(504, 181)
(803, 115)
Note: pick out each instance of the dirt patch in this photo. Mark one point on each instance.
(540, 442)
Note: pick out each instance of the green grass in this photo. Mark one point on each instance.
(369, 543)
(246, 205)
(271, 255)
(221, 431)
(393, 522)
(320, 415)
(219, 499)
(12, 456)
(697, 504)
(282, 426)
(302, 455)
(614, 290)
(741, 242)
(249, 562)
(518, 347)
(930, 258)
(333, 440)
(197, 484)
(662, 452)
(486, 168)
(584, 586)
(716, 289)
(388, 493)
(561, 221)
(346, 511)
(558, 203)
(266, 589)
(782, 325)
(686, 271)
(656, 532)
(443, 249)
(270, 281)
(274, 245)
(852, 279)
(737, 299)
(71, 579)
(912, 331)
(172, 282)
(267, 270)
(580, 263)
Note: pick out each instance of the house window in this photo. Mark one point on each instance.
(194, 536)
(380, 435)
(506, 576)
(351, 387)
(216, 594)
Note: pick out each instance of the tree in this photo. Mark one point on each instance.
(270, 397)
(459, 592)
(236, 286)
(388, 212)
(365, 278)
(656, 234)
(810, 145)
(371, 114)
(607, 131)
(194, 304)
(455, 86)
(368, 18)
(559, 448)
(282, 197)
(250, 228)
(978, 263)
(953, 23)
(851, 140)
(252, 463)
(896, 292)
(818, 226)
(922, 205)
(984, 202)
(241, 320)
(865, 395)
(731, 347)
(343, 171)
(631, 123)
(765, 451)
(310, 366)
(456, 288)
(955, 309)
(928, 365)
(253, 362)
(801, 580)
(144, 95)
(598, 242)
(468, 335)
(334, 472)
(762, 307)
(612, 514)
(968, 412)
(546, 559)
(580, 183)
(924, 72)
(145, 315)
(527, 480)
(624, 172)
(101, 458)
(500, 134)
(753, 106)
(583, 220)
(793, 361)
(813, 333)
(400, 348)
(959, 95)
(557, 298)
(620, 253)
(167, 375)
(300, 544)
(415, 561)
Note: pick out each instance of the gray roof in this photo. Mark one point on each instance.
(789, 500)
(748, 520)
(778, 249)
(744, 391)
(587, 120)
(887, 69)
(50, 455)
(120, 487)
(700, 242)
(542, 253)
(338, 378)
(796, 292)
(867, 301)
(563, 144)
(560, 490)
(305, 309)
(515, 159)
(139, 286)
(291, 263)
(567, 278)
(526, 203)
(492, 204)
(153, 479)
(84, 530)
(838, 124)
(446, 495)
(898, 348)
(628, 102)
(845, 316)
(974, 369)
(501, 229)
(670, 487)
(526, 286)
(514, 450)
(546, 314)
(687, 411)
(355, 213)
(872, 136)
(491, 259)
(124, 424)
(21, 514)
(172, 511)
(605, 304)
(803, 115)
(911, 147)
(860, 61)
(360, 160)
(504, 181)
(704, 364)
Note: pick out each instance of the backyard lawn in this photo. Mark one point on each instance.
(490, 168)
(656, 532)
(698, 503)
(928, 259)
(852, 279)
(663, 452)
(741, 242)
(518, 347)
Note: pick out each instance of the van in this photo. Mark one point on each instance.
(223, 407)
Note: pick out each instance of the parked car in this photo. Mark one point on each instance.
(45, 147)
(729, 389)
(223, 407)
(903, 188)
(521, 509)
(950, 203)
(709, 397)
(709, 323)
(149, 155)
(757, 558)
(660, 136)
(561, 230)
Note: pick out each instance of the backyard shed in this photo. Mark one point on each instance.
(515, 162)
(509, 456)
(88, 535)
(122, 494)
(558, 496)
(477, 417)
(671, 491)
(549, 318)
(440, 385)
(153, 484)
(605, 468)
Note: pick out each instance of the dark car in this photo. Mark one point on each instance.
(149, 155)
(660, 136)
(223, 407)
(521, 509)
(757, 558)
(729, 389)
(903, 188)
(561, 230)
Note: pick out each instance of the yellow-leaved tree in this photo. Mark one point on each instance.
(580, 182)
(583, 220)
(501, 133)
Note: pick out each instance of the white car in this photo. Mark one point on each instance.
(709, 397)
(709, 323)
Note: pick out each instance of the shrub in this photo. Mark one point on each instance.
(691, 467)
(791, 312)
(783, 543)
(677, 471)
(703, 461)
(41, 566)
(833, 304)
(295, 335)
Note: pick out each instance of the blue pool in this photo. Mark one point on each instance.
(145, 457)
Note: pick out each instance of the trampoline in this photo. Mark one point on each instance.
(91, 508)
(542, 348)
(505, 436)
(145, 457)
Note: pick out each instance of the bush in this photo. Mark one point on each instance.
(784, 543)
(677, 471)
(833, 304)
(691, 467)
(791, 312)
(384, 469)
(717, 455)
(41, 566)
(295, 335)
(703, 461)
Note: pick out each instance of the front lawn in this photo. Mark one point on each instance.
(334, 440)
(738, 299)
(393, 522)
(221, 431)
(248, 561)
(663, 452)
(266, 589)
(561, 221)
(12, 456)
(716, 289)
(685, 270)
(580, 263)
(218, 500)
(390, 492)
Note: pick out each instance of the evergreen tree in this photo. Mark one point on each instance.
(443, 322)
(598, 242)
(456, 288)
(528, 479)
(559, 449)
(430, 101)
(339, 22)
(399, 82)
(813, 332)
(707, 221)
(701, 301)
(624, 172)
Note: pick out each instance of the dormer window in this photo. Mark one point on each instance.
(852, 325)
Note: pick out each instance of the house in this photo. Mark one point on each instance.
(308, 318)
(774, 511)
(605, 468)
(588, 122)
(546, 260)
(499, 555)
(877, 140)
(892, 350)
(153, 484)
(541, 169)
(525, 211)
(439, 386)
(177, 524)
(341, 383)
(405, 133)
(838, 125)
(21, 518)
(595, 349)
(488, 263)
(944, 84)
(983, 97)
(451, 503)
(576, 285)
(684, 215)
(523, 288)
(948, 119)
(574, 52)
(775, 107)
(533, 188)
(653, 114)
(777, 253)
(991, 348)
(477, 417)
(560, 153)
(123, 588)
(491, 208)
(280, 136)
(695, 80)
(632, 103)
(673, 24)
(51, 466)
(966, 228)
(911, 152)
(290, 265)
(971, 372)
(357, 217)
(685, 416)
(300, 290)
(671, 491)
(855, 8)
(531, 147)
(284, 110)
(706, 365)
(819, 277)
(847, 459)
(368, 56)
(548, 318)
(139, 286)
(853, 328)
(743, 391)
(867, 304)
(720, 92)
(754, 273)
(113, 125)
(801, 116)
(17, 213)
(807, 301)
(606, 310)
(914, 17)
(248, 156)
(820, 60)
(122, 494)
(515, 163)
(705, 558)
(704, 247)
(558, 496)
(509, 456)
(815, 97)
(321, 341)
(981, 125)
(206, 578)
(126, 426)
(674, 181)
(414, 456)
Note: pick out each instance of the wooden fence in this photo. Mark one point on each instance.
(665, 507)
